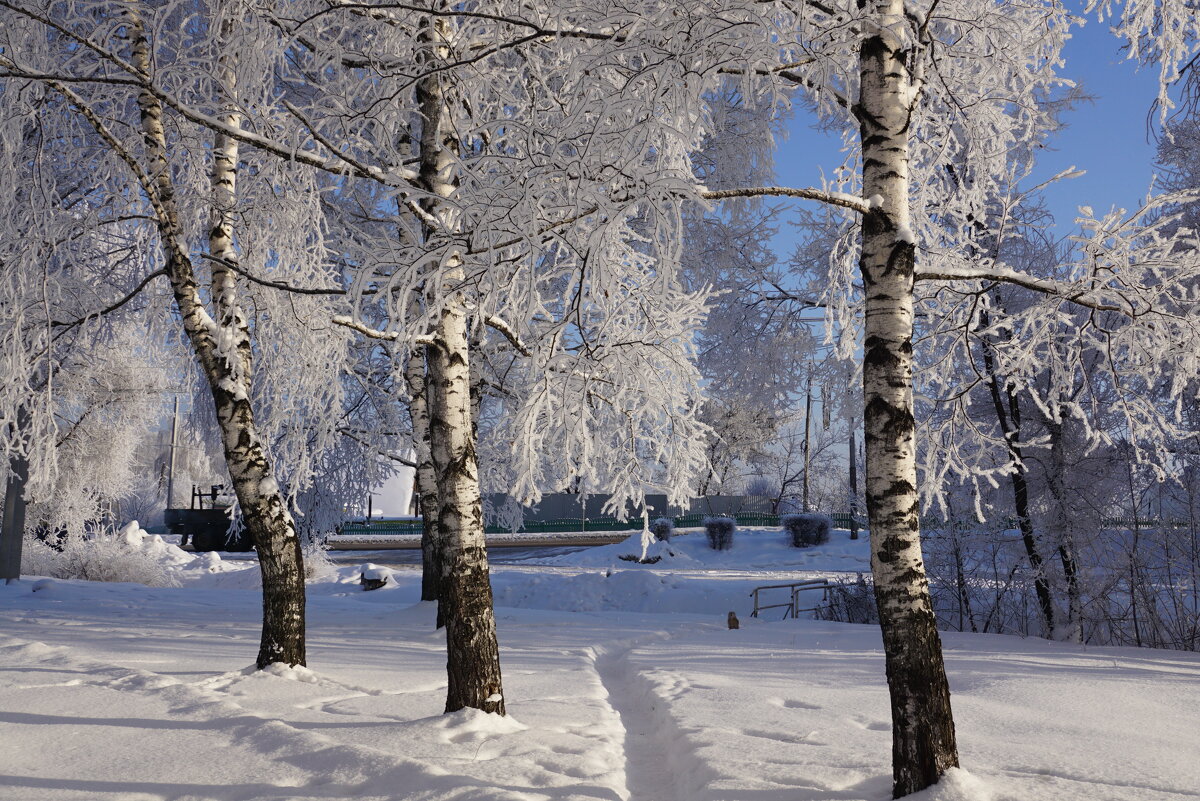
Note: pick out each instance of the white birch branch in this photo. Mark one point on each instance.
(500, 326)
(841, 199)
(375, 333)
(1088, 298)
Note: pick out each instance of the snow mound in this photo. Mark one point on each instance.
(136, 538)
(956, 785)
(128, 555)
(290, 672)
(644, 549)
(473, 725)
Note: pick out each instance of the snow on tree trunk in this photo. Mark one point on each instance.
(923, 741)
(222, 347)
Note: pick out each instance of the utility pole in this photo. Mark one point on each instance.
(807, 429)
(853, 478)
(174, 448)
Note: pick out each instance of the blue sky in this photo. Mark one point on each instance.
(1107, 137)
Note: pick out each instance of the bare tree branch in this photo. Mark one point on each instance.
(113, 306)
(378, 450)
(280, 285)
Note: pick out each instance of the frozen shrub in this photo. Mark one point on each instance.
(632, 557)
(806, 529)
(662, 529)
(317, 564)
(720, 532)
(99, 558)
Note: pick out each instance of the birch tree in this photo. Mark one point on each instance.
(180, 192)
(901, 73)
(527, 214)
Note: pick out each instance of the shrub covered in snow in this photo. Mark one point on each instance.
(807, 529)
(720, 532)
(128, 555)
(317, 564)
(662, 529)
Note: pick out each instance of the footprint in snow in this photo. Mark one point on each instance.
(792, 703)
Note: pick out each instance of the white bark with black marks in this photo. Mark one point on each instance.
(464, 585)
(473, 657)
(223, 349)
(425, 479)
(923, 741)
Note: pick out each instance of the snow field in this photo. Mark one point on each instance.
(121, 692)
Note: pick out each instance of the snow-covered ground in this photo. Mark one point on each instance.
(622, 682)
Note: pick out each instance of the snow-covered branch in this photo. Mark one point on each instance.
(112, 307)
(503, 328)
(1086, 297)
(375, 333)
(839, 199)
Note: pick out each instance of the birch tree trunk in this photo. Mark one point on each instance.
(223, 349)
(923, 740)
(464, 585)
(415, 378)
(473, 656)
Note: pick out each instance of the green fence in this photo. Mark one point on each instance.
(751, 519)
(382, 527)
(567, 524)
(597, 524)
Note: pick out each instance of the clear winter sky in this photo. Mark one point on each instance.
(1107, 138)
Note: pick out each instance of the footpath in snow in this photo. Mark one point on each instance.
(622, 682)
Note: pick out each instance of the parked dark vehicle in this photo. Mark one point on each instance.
(206, 524)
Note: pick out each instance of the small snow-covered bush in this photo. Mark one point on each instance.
(317, 564)
(126, 556)
(662, 529)
(807, 529)
(720, 532)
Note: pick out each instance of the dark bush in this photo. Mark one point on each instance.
(720, 532)
(850, 602)
(662, 529)
(807, 530)
(632, 557)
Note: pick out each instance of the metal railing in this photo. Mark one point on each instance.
(792, 606)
